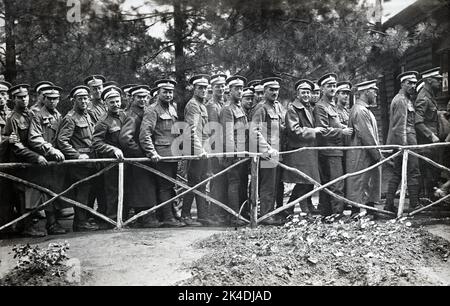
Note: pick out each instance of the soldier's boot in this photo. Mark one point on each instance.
(168, 219)
(80, 221)
(149, 220)
(31, 228)
(53, 226)
(390, 196)
(413, 193)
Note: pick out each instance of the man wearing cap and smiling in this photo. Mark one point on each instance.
(156, 138)
(38, 89)
(301, 132)
(140, 184)
(266, 131)
(42, 139)
(427, 126)
(19, 123)
(364, 188)
(402, 132)
(331, 161)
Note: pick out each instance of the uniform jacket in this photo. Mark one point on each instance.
(234, 125)
(43, 131)
(268, 126)
(19, 123)
(75, 134)
(129, 135)
(97, 111)
(156, 130)
(343, 114)
(300, 133)
(326, 115)
(106, 134)
(426, 116)
(196, 115)
(213, 108)
(401, 121)
(4, 113)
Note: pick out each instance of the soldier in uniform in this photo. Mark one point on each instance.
(38, 89)
(402, 132)
(248, 101)
(364, 188)
(343, 91)
(266, 130)
(427, 127)
(140, 184)
(216, 186)
(234, 123)
(19, 123)
(154, 95)
(156, 138)
(105, 142)
(42, 139)
(126, 97)
(196, 116)
(331, 161)
(315, 95)
(301, 132)
(74, 139)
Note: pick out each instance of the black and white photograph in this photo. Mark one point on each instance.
(202, 144)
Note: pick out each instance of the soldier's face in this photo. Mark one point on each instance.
(236, 92)
(304, 95)
(435, 84)
(247, 102)
(218, 90)
(200, 91)
(51, 103)
(372, 95)
(40, 97)
(3, 98)
(271, 93)
(343, 97)
(329, 90)
(81, 102)
(315, 96)
(141, 100)
(21, 101)
(96, 91)
(409, 87)
(114, 104)
(258, 96)
(165, 95)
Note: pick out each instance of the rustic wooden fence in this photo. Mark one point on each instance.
(255, 158)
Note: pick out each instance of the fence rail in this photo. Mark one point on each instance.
(255, 158)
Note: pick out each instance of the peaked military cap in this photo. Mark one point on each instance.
(273, 82)
(110, 91)
(372, 84)
(411, 76)
(5, 86)
(236, 80)
(154, 91)
(304, 84)
(41, 85)
(94, 80)
(316, 86)
(253, 83)
(52, 91)
(127, 87)
(217, 79)
(199, 79)
(79, 90)
(327, 79)
(419, 85)
(344, 86)
(166, 84)
(140, 89)
(432, 73)
(19, 90)
(248, 92)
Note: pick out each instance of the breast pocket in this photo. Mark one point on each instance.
(165, 122)
(82, 129)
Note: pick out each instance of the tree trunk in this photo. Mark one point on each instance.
(10, 56)
(180, 64)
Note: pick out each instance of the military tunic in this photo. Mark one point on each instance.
(98, 110)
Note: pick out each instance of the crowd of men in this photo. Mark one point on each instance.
(138, 121)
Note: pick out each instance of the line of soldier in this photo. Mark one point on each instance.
(97, 126)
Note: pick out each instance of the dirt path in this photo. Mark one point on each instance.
(131, 257)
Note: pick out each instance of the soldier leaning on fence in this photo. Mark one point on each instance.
(74, 139)
(38, 89)
(364, 188)
(235, 124)
(331, 161)
(156, 138)
(42, 139)
(18, 123)
(402, 132)
(266, 130)
(216, 185)
(301, 132)
(196, 116)
(140, 185)
(105, 142)
(427, 127)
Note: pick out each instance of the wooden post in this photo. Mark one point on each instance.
(404, 182)
(254, 192)
(120, 197)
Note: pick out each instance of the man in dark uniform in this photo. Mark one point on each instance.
(427, 127)
(156, 138)
(74, 139)
(248, 101)
(266, 132)
(140, 184)
(42, 139)
(301, 132)
(19, 123)
(196, 116)
(331, 161)
(105, 142)
(315, 95)
(402, 132)
(343, 91)
(38, 89)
